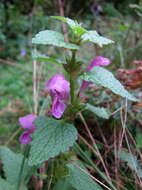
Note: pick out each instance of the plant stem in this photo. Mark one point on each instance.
(20, 179)
(35, 95)
(72, 87)
(72, 80)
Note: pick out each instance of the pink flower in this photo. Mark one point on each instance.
(27, 123)
(97, 61)
(58, 86)
(58, 108)
(59, 91)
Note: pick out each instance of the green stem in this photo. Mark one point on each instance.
(72, 88)
(20, 179)
(72, 81)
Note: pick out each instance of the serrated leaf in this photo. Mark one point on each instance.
(99, 111)
(79, 178)
(103, 77)
(5, 185)
(40, 57)
(12, 165)
(50, 37)
(131, 161)
(93, 36)
(50, 139)
(74, 25)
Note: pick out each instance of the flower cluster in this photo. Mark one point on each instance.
(59, 91)
(27, 123)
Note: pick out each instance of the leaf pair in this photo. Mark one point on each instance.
(50, 37)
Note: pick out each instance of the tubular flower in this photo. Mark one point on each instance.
(59, 91)
(97, 61)
(27, 123)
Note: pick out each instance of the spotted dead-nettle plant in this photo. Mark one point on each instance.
(50, 134)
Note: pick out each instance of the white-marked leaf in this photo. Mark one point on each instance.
(50, 139)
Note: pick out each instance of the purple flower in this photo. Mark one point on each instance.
(27, 123)
(58, 86)
(23, 52)
(58, 108)
(98, 61)
(25, 138)
(59, 91)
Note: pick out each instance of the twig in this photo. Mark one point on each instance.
(13, 136)
(116, 160)
(123, 122)
(85, 142)
(35, 96)
(134, 142)
(64, 26)
(95, 167)
(7, 62)
(117, 110)
(94, 143)
(95, 179)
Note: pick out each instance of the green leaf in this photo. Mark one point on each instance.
(63, 185)
(80, 179)
(40, 57)
(99, 111)
(131, 161)
(102, 77)
(50, 139)
(60, 171)
(5, 185)
(139, 139)
(49, 37)
(12, 165)
(74, 25)
(93, 36)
